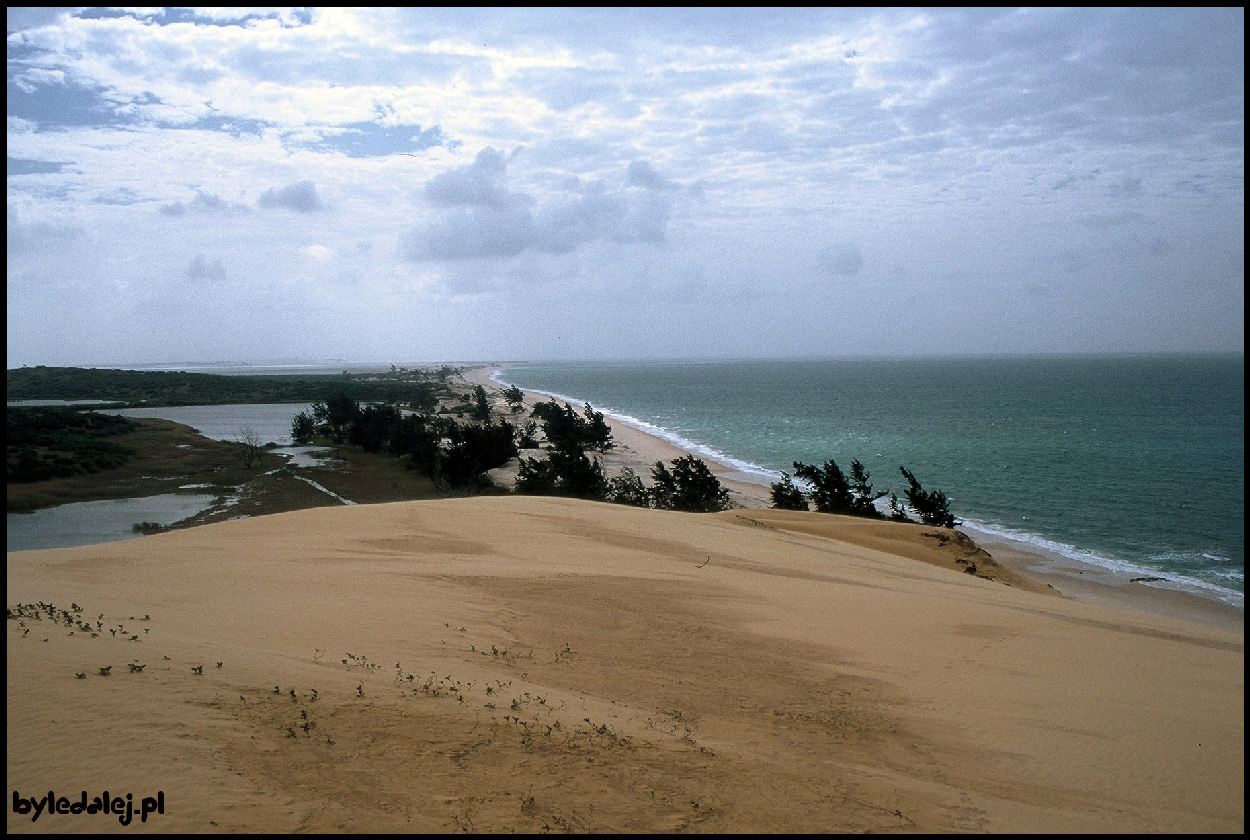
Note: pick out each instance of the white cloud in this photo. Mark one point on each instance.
(478, 184)
(320, 253)
(300, 197)
(705, 158)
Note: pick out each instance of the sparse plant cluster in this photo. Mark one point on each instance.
(353, 661)
(78, 624)
(304, 723)
(830, 490)
(71, 618)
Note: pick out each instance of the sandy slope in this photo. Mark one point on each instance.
(539, 664)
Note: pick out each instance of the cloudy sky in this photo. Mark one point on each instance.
(414, 185)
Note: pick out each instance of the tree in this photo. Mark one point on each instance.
(474, 450)
(336, 414)
(932, 507)
(565, 430)
(562, 473)
(862, 496)
(373, 427)
(418, 439)
(536, 478)
(596, 432)
(481, 405)
(831, 492)
(561, 425)
(628, 489)
(525, 436)
(786, 496)
(251, 446)
(689, 486)
(303, 428)
(514, 396)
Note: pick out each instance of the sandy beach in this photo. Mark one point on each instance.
(536, 664)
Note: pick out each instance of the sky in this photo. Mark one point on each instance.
(205, 185)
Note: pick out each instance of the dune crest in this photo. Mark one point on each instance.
(540, 664)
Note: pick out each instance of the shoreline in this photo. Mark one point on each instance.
(638, 449)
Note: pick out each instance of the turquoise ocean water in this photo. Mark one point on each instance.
(1136, 464)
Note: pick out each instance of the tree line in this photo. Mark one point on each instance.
(832, 491)
(418, 388)
(685, 484)
(454, 455)
(457, 455)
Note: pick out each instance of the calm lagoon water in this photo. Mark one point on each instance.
(86, 523)
(272, 421)
(110, 520)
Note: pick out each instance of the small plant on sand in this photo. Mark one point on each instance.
(360, 662)
(104, 672)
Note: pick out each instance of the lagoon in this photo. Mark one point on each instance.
(110, 520)
(272, 421)
(106, 520)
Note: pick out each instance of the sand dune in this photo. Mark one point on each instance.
(530, 664)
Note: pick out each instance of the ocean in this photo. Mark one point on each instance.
(1135, 464)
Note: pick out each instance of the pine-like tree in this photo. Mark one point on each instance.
(786, 495)
(831, 492)
(931, 506)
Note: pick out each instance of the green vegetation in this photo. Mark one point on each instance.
(786, 496)
(57, 442)
(689, 486)
(514, 396)
(832, 492)
(568, 432)
(397, 423)
(932, 507)
(453, 455)
(417, 388)
(568, 471)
